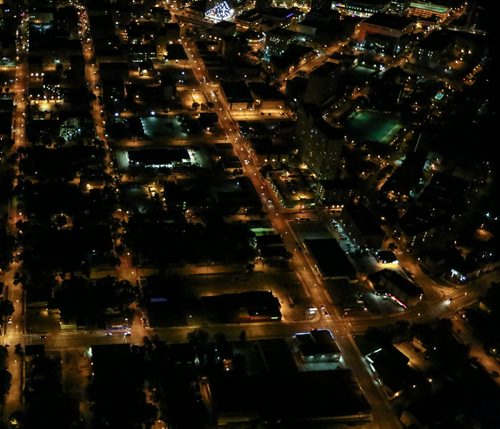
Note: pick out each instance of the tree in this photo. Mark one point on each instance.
(5, 376)
(220, 337)
(6, 308)
(378, 336)
(198, 337)
(4, 354)
(400, 331)
(6, 254)
(60, 221)
(492, 297)
(19, 349)
(5, 382)
(149, 413)
(239, 363)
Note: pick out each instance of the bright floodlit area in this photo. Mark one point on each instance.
(370, 125)
(172, 126)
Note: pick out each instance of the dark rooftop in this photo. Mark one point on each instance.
(392, 368)
(176, 52)
(317, 342)
(263, 91)
(327, 69)
(437, 40)
(158, 155)
(236, 92)
(367, 2)
(280, 12)
(248, 306)
(290, 397)
(292, 55)
(390, 21)
(403, 284)
(364, 218)
(330, 258)
(277, 356)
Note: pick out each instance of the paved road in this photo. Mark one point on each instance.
(343, 328)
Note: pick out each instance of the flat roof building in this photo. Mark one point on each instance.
(256, 306)
(277, 356)
(158, 157)
(320, 143)
(331, 260)
(391, 368)
(317, 345)
(362, 225)
(236, 95)
(361, 8)
(396, 287)
(433, 9)
(383, 32)
(292, 399)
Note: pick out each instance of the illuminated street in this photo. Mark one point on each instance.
(188, 186)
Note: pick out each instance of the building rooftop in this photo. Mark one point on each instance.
(277, 356)
(330, 259)
(364, 219)
(236, 92)
(362, 3)
(258, 305)
(176, 52)
(263, 91)
(292, 55)
(298, 397)
(280, 13)
(392, 367)
(436, 41)
(327, 69)
(223, 25)
(316, 343)
(150, 156)
(280, 32)
(403, 284)
(389, 21)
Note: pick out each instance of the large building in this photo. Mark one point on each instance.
(322, 84)
(278, 40)
(244, 307)
(330, 260)
(429, 9)
(362, 226)
(398, 7)
(383, 33)
(395, 286)
(236, 95)
(361, 8)
(219, 10)
(320, 6)
(317, 345)
(320, 144)
(391, 369)
(300, 399)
